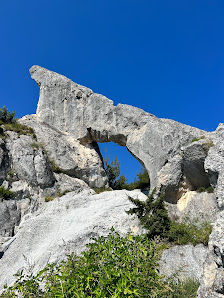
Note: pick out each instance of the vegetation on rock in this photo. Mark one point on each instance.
(208, 189)
(115, 182)
(111, 267)
(6, 116)
(154, 218)
(5, 193)
(8, 122)
(48, 199)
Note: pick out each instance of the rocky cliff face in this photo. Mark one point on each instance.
(63, 155)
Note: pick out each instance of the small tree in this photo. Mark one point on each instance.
(153, 216)
(113, 171)
(141, 181)
(6, 116)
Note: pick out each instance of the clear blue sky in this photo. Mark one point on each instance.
(166, 57)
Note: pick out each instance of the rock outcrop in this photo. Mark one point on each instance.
(26, 171)
(212, 281)
(63, 155)
(183, 262)
(65, 225)
(90, 117)
(67, 154)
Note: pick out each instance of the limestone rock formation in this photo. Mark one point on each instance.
(4, 161)
(214, 164)
(65, 225)
(90, 117)
(71, 157)
(26, 171)
(183, 261)
(212, 281)
(29, 163)
(64, 156)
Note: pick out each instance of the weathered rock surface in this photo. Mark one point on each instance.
(28, 174)
(65, 225)
(11, 212)
(183, 261)
(214, 164)
(212, 281)
(194, 207)
(73, 158)
(4, 161)
(185, 171)
(29, 163)
(89, 117)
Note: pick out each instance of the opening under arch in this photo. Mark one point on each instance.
(129, 165)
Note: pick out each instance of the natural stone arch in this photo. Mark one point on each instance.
(89, 117)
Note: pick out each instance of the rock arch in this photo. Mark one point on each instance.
(89, 117)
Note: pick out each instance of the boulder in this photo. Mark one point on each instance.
(183, 262)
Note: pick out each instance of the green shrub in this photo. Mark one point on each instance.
(6, 116)
(112, 267)
(62, 193)
(48, 199)
(210, 189)
(197, 139)
(154, 218)
(21, 129)
(6, 193)
(187, 233)
(8, 122)
(56, 168)
(113, 171)
(142, 180)
(184, 289)
(203, 189)
(120, 182)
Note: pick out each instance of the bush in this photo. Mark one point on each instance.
(142, 180)
(197, 139)
(184, 289)
(112, 267)
(56, 168)
(8, 122)
(203, 189)
(154, 218)
(6, 116)
(101, 189)
(113, 171)
(6, 193)
(187, 233)
(35, 145)
(21, 129)
(115, 182)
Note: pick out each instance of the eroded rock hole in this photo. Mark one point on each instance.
(131, 170)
